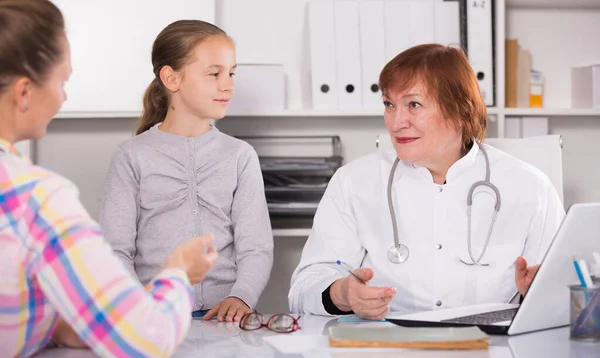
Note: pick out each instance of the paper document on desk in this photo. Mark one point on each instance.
(404, 337)
(297, 343)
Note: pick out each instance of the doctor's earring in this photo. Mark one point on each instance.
(24, 106)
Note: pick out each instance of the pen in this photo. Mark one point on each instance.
(596, 264)
(579, 273)
(585, 272)
(359, 279)
(352, 273)
(593, 303)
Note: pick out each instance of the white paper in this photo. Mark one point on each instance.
(298, 343)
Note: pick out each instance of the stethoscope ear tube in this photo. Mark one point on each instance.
(390, 202)
(398, 253)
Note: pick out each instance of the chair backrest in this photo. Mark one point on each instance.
(543, 152)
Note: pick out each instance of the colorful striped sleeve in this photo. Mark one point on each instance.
(91, 289)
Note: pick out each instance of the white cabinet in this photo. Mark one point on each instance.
(111, 42)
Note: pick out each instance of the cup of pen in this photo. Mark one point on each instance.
(585, 312)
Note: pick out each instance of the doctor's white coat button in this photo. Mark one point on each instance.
(440, 189)
(438, 303)
(438, 246)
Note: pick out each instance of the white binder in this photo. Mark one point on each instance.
(420, 23)
(347, 49)
(322, 54)
(480, 44)
(396, 20)
(372, 50)
(446, 15)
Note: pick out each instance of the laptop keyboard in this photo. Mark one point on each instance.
(486, 318)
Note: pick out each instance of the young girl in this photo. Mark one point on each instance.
(180, 177)
(59, 279)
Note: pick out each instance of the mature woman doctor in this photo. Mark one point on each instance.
(416, 243)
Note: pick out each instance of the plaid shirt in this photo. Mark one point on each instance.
(54, 261)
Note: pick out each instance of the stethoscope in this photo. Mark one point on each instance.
(399, 253)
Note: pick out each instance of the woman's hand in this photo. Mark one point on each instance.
(194, 256)
(230, 309)
(349, 294)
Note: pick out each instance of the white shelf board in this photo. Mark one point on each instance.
(98, 114)
(557, 112)
(554, 4)
(291, 232)
(325, 113)
(301, 113)
(313, 113)
(280, 114)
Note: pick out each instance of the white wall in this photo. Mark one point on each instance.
(287, 255)
(81, 149)
(108, 74)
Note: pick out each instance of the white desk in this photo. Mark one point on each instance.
(212, 339)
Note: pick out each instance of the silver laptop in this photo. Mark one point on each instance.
(546, 304)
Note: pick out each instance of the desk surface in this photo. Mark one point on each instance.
(213, 339)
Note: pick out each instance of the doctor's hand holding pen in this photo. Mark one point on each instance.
(353, 293)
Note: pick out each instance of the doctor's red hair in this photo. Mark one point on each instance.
(448, 79)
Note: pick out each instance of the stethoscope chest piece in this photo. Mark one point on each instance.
(398, 254)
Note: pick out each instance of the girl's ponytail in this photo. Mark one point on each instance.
(156, 104)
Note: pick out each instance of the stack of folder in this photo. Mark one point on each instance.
(351, 41)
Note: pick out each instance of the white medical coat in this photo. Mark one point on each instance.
(353, 224)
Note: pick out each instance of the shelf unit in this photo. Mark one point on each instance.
(549, 112)
(291, 232)
(498, 112)
(493, 111)
(307, 113)
(328, 113)
(96, 114)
